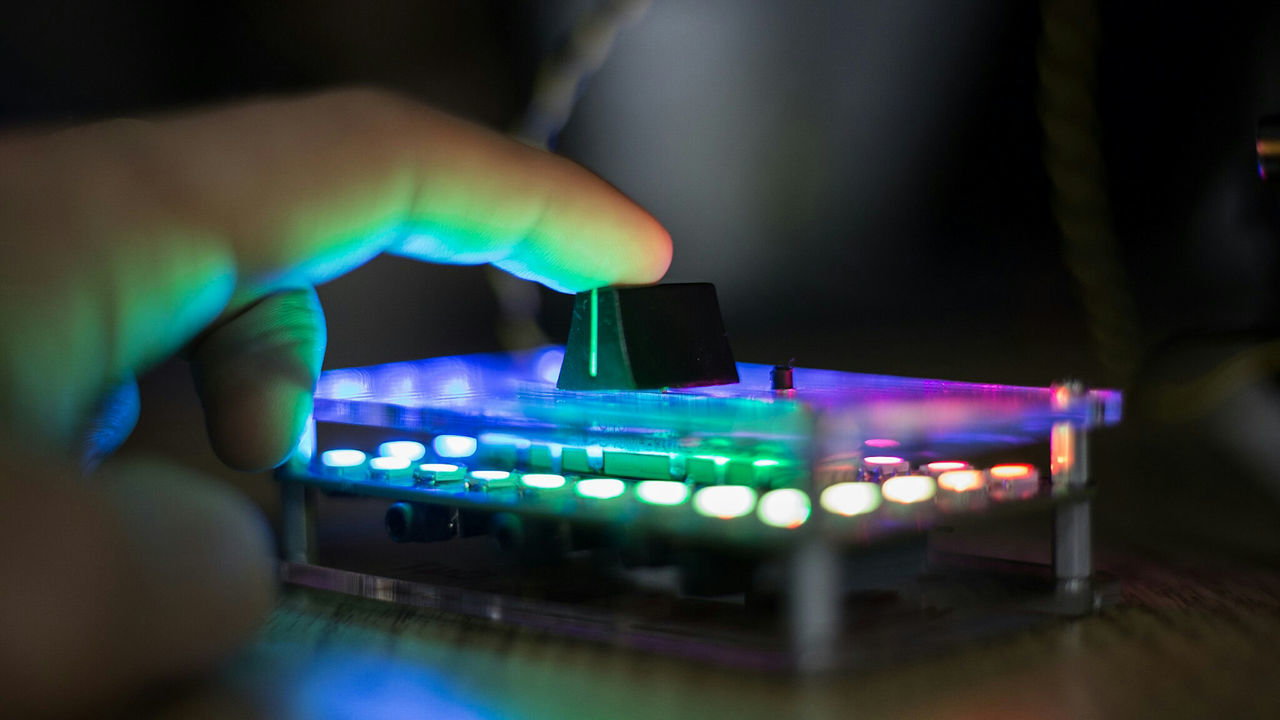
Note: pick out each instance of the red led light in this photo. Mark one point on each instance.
(1012, 472)
(941, 466)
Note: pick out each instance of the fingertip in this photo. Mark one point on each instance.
(658, 251)
(257, 426)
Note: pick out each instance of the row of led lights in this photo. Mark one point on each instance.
(396, 464)
(891, 478)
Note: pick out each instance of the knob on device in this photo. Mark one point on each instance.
(646, 338)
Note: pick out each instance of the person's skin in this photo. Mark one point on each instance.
(127, 242)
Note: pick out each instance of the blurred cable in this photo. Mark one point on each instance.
(561, 78)
(1066, 61)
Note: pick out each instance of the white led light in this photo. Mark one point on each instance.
(724, 501)
(600, 488)
(850, 498)
(393, 470)
(454, 446)
(384, 462)
(784, 508)
(439, 472)
(909, 489)
(662, 492)
(344, 458)
(542, 481)
(962, 480)
(407, 449)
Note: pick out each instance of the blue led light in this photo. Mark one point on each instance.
(454, 446)
(407, 449)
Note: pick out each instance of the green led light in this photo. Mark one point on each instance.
(724, 501)
(542, 481)
(766, 462)
(662, 492)
(719, 460)
(600, 488)
(595, 330)
(851, 498)
(784, 508)
(435, 473)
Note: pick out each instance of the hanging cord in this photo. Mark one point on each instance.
(1066, 61)
(557, 87)
(1067, 65)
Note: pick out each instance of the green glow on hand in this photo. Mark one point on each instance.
(595, 330)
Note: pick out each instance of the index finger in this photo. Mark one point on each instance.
(307, 188)
(125, 239)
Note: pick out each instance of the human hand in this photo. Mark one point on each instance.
(204, 233)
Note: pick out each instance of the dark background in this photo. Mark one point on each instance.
(864, 182)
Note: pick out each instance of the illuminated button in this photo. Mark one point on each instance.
(546, 457)
(490, 480)
(940, 466)
(962, 480)
(724, 501)
(881, 443)
(542, 481)
(392, 470)
(454, 446)
(764, 471)
(707, 469)
(503, 450)
(662, 492)
(344, 462)
(908, 489)
(651, 465)
(439, 473)
(784, 508)
(850, 498)
(600, 488)
(880, 466)
(407, 449)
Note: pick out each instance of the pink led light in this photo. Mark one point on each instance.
(881, 443)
